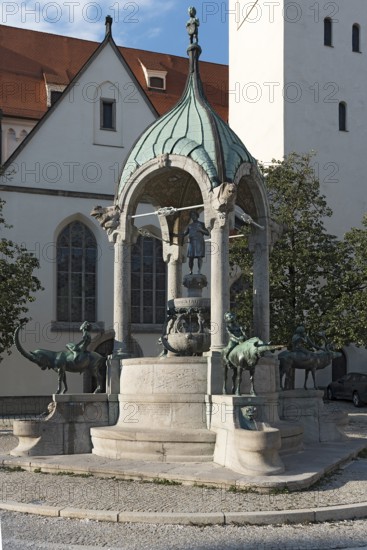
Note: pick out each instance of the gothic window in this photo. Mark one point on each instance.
(148, 282)
(355, 38)
(76, 274)
(328, 32)
(342, 116)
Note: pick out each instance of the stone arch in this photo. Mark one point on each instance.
(252, 198)
(80, 217)
(133, 189)
(248, 176)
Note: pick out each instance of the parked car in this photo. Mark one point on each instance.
(352, 386)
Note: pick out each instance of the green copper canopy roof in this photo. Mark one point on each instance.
(191, 129)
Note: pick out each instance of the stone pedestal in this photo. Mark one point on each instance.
(306, 407)
(195, 284)
(247, 451)
(66, 430)
(162, 413)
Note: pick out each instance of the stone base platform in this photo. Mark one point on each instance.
(302, 469)
(154, 445)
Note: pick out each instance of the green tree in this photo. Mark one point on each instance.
(17, 284)
(302, 261)
(346, 292)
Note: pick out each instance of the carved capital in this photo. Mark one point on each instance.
(223, 199)
(224, 196)
(172, 253)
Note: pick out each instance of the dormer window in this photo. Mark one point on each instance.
(54, 91)
(55, 96)
(154, 77)
(157, 82)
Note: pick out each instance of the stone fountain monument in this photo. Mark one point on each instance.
(194, 170)
(187, 164)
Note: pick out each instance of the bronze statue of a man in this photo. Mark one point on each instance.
(196, 249)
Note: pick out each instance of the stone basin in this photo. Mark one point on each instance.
(257, 450)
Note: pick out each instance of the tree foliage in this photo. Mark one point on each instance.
(17, 285)
(315, 280)
(346, 316)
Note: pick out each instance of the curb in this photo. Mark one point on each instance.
(312, 515)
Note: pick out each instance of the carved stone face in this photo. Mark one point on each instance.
(249, 412)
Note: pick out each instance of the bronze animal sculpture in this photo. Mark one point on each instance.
(244, 356)
(64, 361)
(309, 362)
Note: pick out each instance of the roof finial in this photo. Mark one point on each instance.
(192, 25)
(109, 21)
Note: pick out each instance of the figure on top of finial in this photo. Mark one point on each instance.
(192, 25)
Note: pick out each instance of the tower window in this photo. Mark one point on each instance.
(108, 114)
(356, 38)
(342, 116)
(328, 32)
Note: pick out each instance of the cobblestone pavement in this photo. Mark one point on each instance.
(348, 485)
(33, 532)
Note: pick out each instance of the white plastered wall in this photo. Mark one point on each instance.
(62, 157)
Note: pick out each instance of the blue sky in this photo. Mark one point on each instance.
(156, 25)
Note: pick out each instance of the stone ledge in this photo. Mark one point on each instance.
(312, 515)
(96, 515)
(163, 436)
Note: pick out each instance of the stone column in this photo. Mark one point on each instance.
(219, 290)
(122, 294)
(174, 278)
(259, 246)
(219, 301)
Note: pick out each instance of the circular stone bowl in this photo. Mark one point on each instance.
(189, 343)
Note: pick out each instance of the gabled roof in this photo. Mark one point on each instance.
(26, 56)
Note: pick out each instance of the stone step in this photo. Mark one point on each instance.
(154, 445)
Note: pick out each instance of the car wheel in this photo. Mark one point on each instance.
(356, 399)
(330, 395)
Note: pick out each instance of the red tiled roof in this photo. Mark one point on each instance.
(28, 57)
